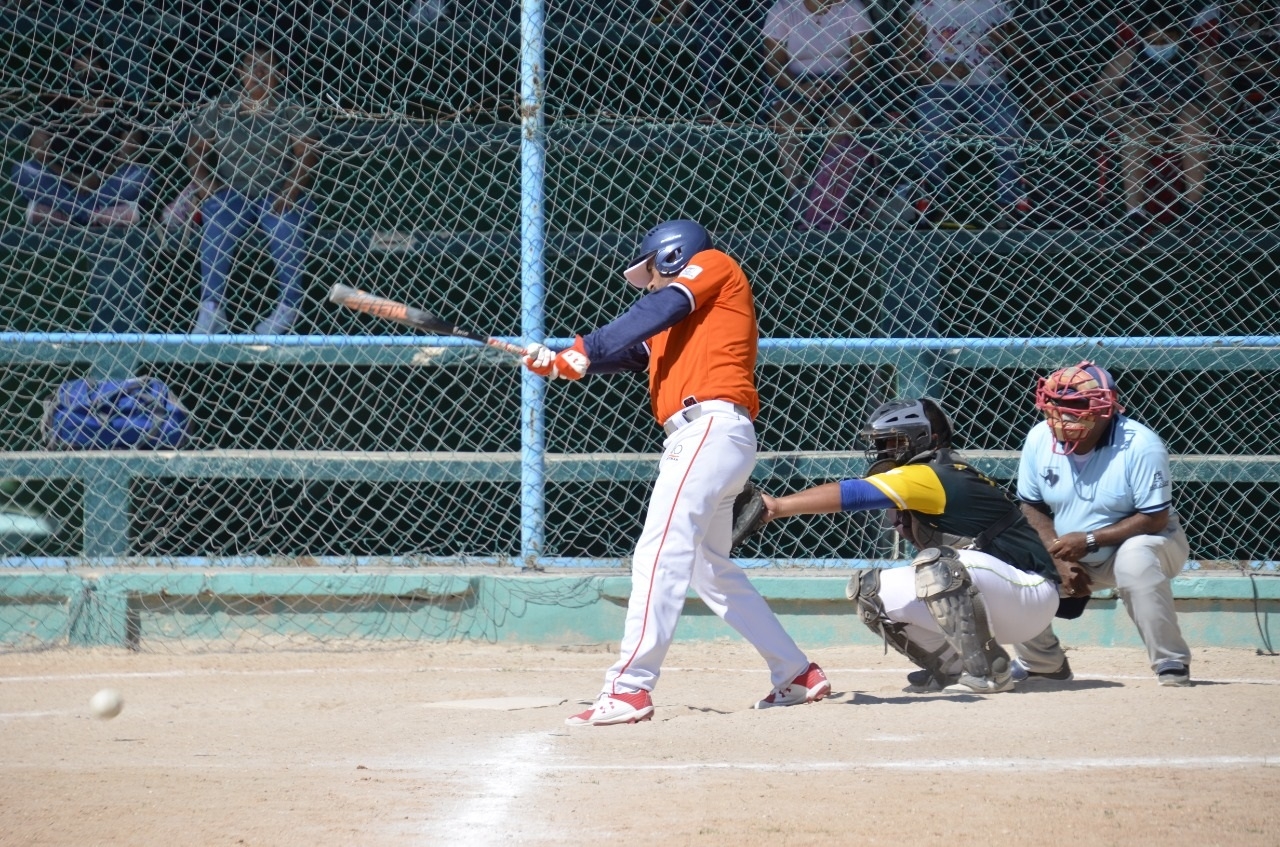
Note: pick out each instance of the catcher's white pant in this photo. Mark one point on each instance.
(1140, 570)
(1019, 604)
(685, 543)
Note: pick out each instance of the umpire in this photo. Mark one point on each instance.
(1095, 485)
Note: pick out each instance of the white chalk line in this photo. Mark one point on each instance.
(197, 672)
(10, 716)
(494, 784)
(953, 765)
(504, 781)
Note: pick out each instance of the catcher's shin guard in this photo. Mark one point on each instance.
(957, 605)
(864, 590)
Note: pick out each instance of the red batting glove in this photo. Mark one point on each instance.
(573, 363)
(539, 359)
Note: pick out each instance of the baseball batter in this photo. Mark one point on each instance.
(982, 577)
(695, 332)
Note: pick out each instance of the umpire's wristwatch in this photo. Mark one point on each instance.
(1090, 543)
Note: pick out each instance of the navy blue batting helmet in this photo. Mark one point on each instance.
(671, 244)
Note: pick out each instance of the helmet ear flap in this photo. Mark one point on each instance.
(671, 262)
(672, 244)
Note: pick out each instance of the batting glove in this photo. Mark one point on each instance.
(573, 363)
(540, 359)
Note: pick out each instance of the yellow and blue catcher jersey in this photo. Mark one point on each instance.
(952, 497)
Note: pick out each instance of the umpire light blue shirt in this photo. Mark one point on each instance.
(1127, 473)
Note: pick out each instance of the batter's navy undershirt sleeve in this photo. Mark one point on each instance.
(619, 344)
(858, 495)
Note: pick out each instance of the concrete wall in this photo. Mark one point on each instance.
(145, 609)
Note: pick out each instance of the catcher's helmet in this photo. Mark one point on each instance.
(671, 244)
(900, 430)
(1075, 400)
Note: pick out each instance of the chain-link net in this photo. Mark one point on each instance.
(945, 197)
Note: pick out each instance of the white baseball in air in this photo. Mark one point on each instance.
(107, 703)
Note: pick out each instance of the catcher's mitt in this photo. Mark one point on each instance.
(748, 513)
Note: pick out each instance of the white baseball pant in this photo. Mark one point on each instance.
(1019, 604)
(686, 543)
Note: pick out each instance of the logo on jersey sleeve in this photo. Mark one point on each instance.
(690, 272)
(1158, 481)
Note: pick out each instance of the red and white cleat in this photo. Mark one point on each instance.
(612, 709)
(808, 687)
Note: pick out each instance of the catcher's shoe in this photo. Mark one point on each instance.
(970, 684)
(611, 709)
(924, 682)
(808, 687)
(1021, 673)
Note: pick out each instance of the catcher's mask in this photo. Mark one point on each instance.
(900, 430)
(671, 244)
(1075, 401)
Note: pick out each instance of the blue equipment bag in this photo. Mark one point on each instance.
(115, 414)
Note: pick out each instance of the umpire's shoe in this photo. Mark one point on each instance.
(615, 708)
(1174, 675)
(808, 687)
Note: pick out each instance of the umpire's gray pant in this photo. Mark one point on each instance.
(1140, 571)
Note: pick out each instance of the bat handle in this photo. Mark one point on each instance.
(506, 347)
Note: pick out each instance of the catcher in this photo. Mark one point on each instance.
(982, 577)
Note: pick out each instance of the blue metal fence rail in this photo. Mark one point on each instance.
(106, 474)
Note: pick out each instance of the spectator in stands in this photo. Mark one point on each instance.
(428, 11)
(1061, 47)
(1056, 44)
(815, 57)
(1246, 34)
(82, 159)
(1160, 87)
(713, 22)
(252, 156)
(956, 52)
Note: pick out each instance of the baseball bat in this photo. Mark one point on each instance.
(382, 307)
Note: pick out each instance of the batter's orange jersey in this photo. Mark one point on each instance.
(711, 353)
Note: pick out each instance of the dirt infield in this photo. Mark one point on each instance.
(464, 744)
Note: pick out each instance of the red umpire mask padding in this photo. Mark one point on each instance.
(1075, 401)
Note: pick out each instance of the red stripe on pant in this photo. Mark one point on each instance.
(644, 625)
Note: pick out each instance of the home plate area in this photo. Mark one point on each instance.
(466, 744)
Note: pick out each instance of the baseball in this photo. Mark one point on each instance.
(107, 703)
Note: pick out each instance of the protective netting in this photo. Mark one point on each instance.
(1032, 182)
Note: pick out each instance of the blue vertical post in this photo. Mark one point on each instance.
(117, 294)
(533, 389)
